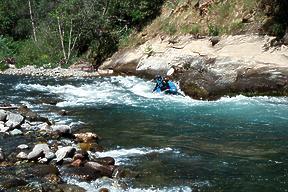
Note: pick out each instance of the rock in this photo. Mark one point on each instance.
(86, 137)
(1, 155)
(80, 173)
(106, 161)
(62, 130)
(3, 115)
(31, 116)
(103, 190)
(64, 152)
(11, 183)
(41, 172)
(101, 169)
(15, 132)
(63, 112)
(40, 150)
(124, 61)
(23, 146)
(14, 120)
(22, 155)
(214, 40)
(44, 127)
(77, 163)
(4, 129)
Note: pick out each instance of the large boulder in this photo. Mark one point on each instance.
(14, 120)
(30, 115)
(62, 130)
(235, 65)
(101, 169)
(41, 150)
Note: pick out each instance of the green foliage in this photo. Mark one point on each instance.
(191, 29)
(45, 52)
(250, 4)
(7, 47)
(94, 26)
(235, 26)
(168, 27)
(213, 30)
(7, 50)
(278, 29)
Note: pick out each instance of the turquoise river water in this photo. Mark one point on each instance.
(175, 143)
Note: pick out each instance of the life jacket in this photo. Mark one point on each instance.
(172, 88)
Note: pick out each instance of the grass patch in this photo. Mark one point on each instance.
(191, 29)
(168, 27)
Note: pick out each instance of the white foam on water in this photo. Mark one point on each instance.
(114, 186)
(134, 91)
(122, 156)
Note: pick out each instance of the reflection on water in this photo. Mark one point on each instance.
(175, 143)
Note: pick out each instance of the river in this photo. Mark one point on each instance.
(175, 143)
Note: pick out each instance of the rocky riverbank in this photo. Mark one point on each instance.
(50, 152)
(208, 68)
(74, 71)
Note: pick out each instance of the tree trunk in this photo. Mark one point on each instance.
(32, 21)
(106, 7)
(61, 34)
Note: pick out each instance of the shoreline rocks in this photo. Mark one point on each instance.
(55, 72)
(48, 158)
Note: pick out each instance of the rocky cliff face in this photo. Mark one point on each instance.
(235, 65)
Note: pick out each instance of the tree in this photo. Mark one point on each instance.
(32, 20)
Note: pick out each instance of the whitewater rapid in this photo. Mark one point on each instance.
(175, 114)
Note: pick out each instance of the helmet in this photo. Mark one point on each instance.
(158, 77)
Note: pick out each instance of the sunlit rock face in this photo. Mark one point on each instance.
(243, 64)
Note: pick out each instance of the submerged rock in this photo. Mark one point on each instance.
(101, 169)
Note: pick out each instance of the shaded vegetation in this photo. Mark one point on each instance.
(53, 33)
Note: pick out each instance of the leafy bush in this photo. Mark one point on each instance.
(7, 47)
(213, 30)
(45, 52)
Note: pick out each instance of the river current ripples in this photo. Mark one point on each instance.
(175, 143)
